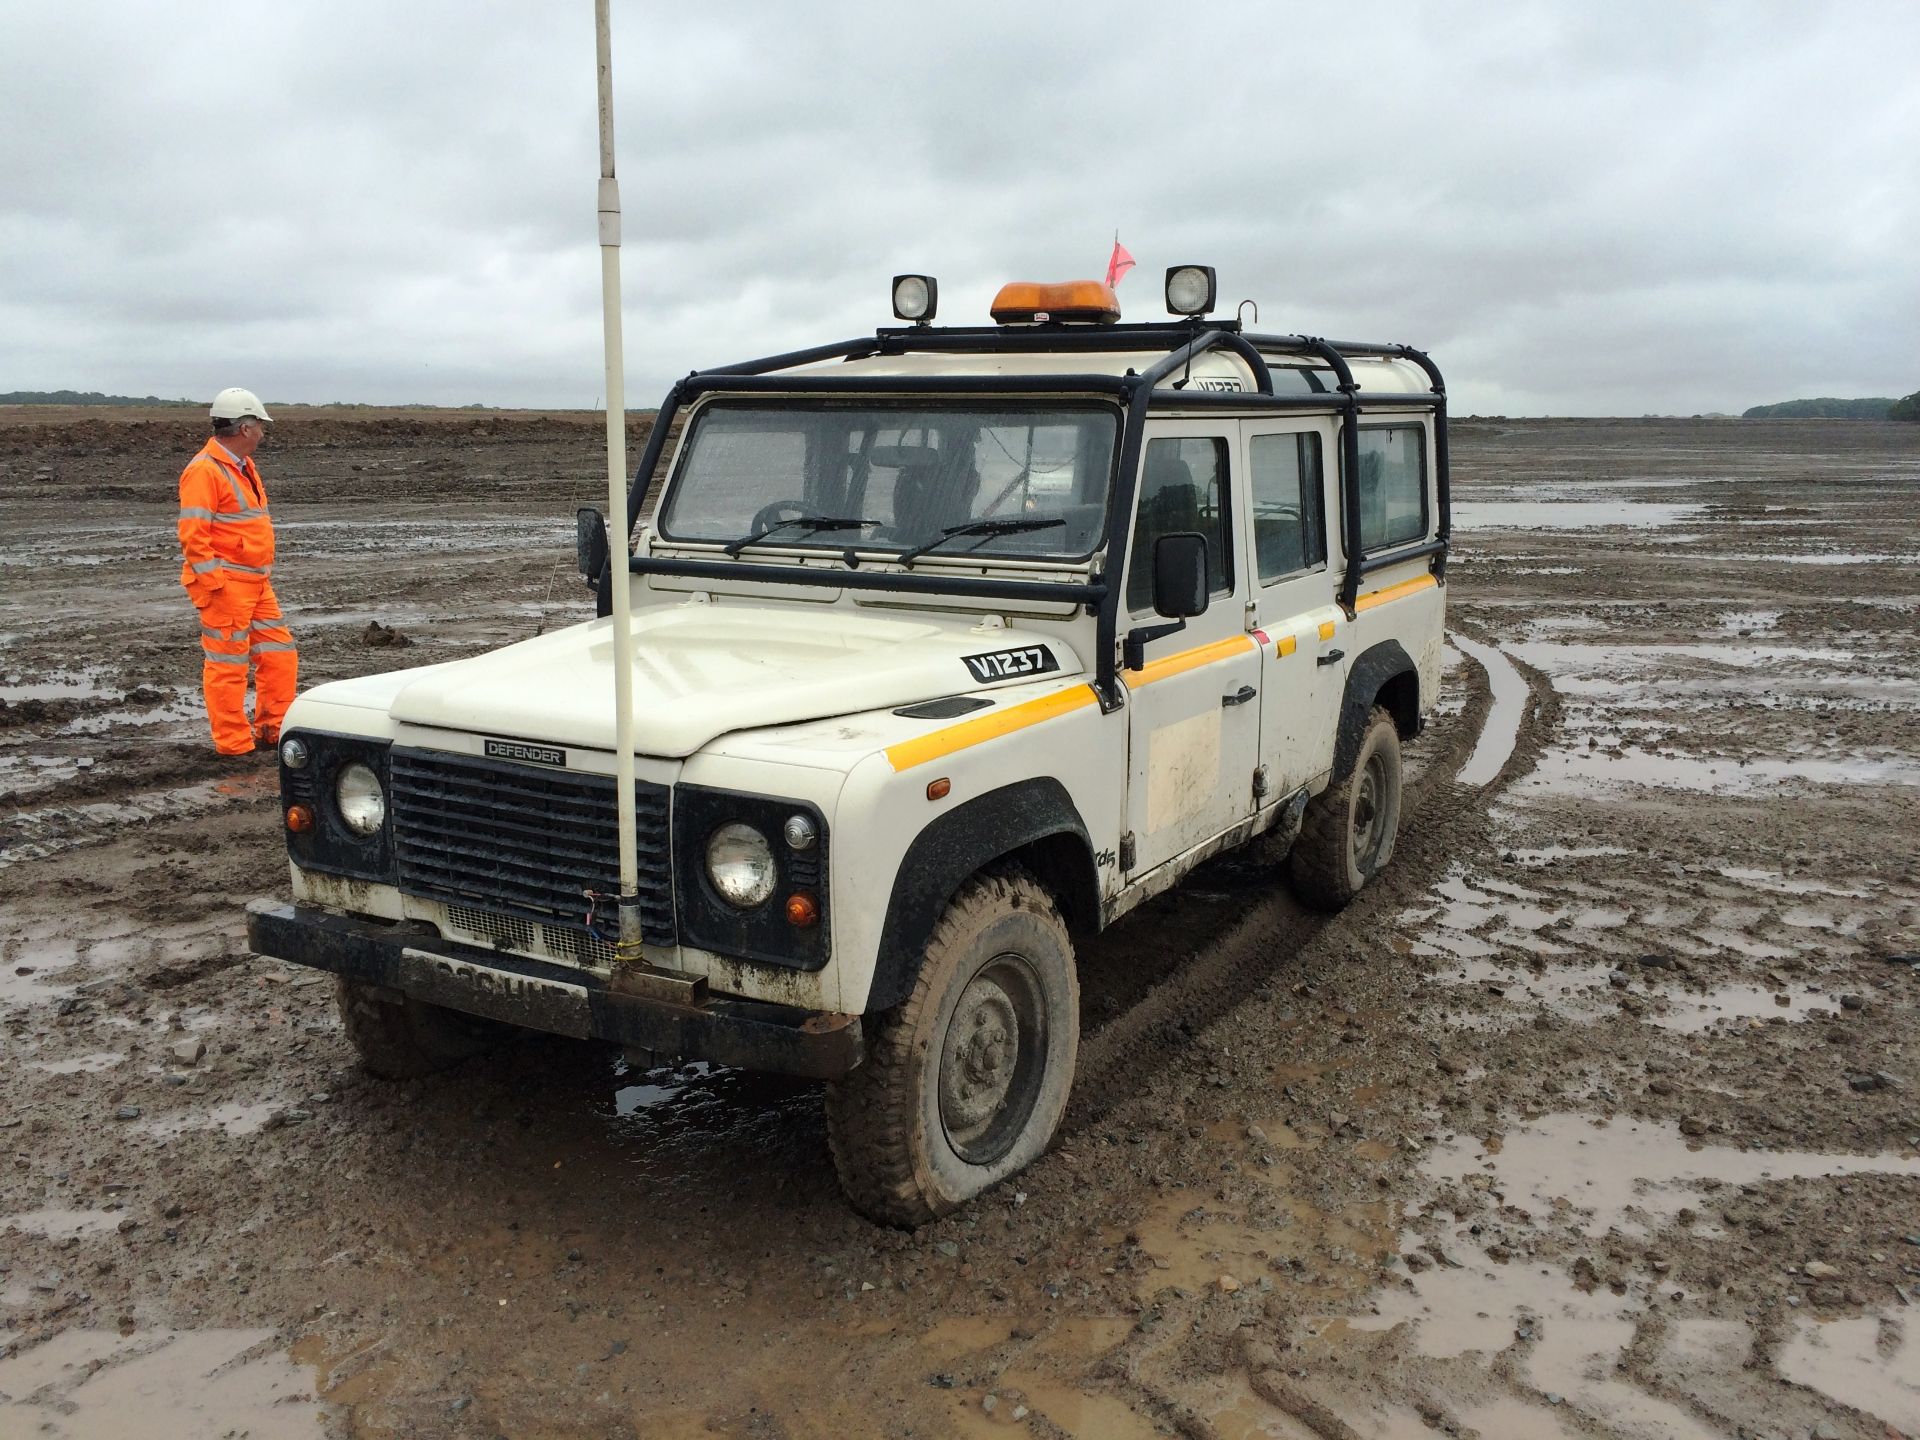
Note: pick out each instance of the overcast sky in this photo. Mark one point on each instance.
(1578, 209)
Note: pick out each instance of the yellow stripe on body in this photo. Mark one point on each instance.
(1326, 629)
(1395, 592)
(1286, 645)
(1192, 660)
(990, 726)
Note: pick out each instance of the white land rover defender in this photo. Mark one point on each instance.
(950, 644)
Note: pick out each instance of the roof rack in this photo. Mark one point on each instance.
(1179, 343)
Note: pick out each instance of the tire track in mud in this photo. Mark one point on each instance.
(54, 828)
(1443, 821)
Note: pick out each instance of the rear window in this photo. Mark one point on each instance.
(1393, 486)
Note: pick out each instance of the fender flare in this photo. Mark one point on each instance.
(1365, 678)
(956, 846)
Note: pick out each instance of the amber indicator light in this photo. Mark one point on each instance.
(937, 789)
(802, 910)
(299, 819)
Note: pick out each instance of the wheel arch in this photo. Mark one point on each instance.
(1032, 824)
(1384, 674)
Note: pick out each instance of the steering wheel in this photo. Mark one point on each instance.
(774, 511)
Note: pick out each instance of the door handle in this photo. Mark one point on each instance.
(1332, 657)
(1239, 697)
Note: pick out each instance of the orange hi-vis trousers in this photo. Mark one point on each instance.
(241, 628)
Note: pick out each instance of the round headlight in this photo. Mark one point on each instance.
(740, 864)
(799, 832)
(293, 753)
(360, 800)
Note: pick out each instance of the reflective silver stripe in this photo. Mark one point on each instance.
(239, 495)
(244, 569)
(213, 659)
(206, 565)
(225, 518)
(208, 633)
(260, 646)
(195, 512)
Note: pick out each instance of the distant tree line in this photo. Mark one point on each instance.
(1825, 408)
(1906, 409)
(80, 397)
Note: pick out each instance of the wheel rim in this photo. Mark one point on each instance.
(1370, 814)
(991, 1059)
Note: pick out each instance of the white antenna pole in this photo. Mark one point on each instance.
(627, 948)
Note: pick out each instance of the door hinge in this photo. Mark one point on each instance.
(1126, 851)
(1259, 781)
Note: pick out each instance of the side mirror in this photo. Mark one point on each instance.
(1180, 575)
(590, 542)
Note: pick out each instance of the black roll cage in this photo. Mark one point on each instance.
(1180, 342)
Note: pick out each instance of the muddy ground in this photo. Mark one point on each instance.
(1600, 1116)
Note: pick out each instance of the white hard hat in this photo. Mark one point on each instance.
(233, 403)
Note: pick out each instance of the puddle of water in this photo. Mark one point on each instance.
(1502, 729)
(1871, 1362)
(1610, 1174)
(1196, 1248)
(81, 1064)
(1791, 885)
(159, 1385)
(233, 1117)
(1545, 855)
(1818, 557)
(17, 991)
(1731, 1005)
(1570, 514)
(1576, 1340)
(60, 1224)
(63, 685)
(679, 1124)
(1572, 658)
(1597, 772)
(1511, 1419)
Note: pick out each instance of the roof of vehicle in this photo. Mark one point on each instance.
(1291, 374)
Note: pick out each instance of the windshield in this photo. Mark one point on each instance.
(898, 476)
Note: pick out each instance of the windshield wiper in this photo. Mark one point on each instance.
(982, 528)
(812, 524)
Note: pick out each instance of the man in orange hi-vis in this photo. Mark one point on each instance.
(226, 548)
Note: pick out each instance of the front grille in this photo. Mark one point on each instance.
(514, 846)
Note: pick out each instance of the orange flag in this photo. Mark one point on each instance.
(1120, 262)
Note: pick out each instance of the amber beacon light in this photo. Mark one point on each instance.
(1023, 302)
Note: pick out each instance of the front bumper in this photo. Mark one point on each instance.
(563, 1001)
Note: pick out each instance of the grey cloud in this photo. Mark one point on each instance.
(1614, 209)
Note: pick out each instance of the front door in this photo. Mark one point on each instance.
(1303, 643)
(1193, 712)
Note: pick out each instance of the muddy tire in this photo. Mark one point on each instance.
(1347, 835)
(399, 1038)
(965, 1081)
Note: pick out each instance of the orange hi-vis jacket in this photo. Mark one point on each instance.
(224, 526)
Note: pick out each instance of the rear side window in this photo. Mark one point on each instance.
(1183, 487)
(1393, 486)
(1289, 506)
